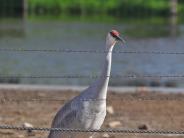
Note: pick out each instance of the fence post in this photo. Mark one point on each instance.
(24, 8)
(173, 17)
(173, 7)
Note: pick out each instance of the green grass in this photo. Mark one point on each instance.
(113, 7)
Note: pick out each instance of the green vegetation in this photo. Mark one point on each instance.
(10, 7)
(112, 7)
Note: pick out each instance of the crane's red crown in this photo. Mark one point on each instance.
(114, 33)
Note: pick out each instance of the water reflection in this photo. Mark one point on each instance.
(173, 25)
(13, 27)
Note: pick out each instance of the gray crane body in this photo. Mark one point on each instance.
(87, 110)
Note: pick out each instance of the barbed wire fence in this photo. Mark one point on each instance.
(121, 131)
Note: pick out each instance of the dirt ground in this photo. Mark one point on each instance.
(132, 110)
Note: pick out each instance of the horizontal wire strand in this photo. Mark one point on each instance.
(88, 51)
(122, 131)
(3, 101)
(88, 76)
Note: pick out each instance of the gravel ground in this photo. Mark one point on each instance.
(130, 111)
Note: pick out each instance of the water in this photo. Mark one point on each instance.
(141, 35)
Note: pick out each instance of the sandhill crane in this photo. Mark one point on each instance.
(87, 110)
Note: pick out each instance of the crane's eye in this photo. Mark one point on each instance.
(114, 33)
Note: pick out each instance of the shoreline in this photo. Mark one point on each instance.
(80, 88)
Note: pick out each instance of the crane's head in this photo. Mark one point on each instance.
(113, 37)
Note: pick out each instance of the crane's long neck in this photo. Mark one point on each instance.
(105, 75)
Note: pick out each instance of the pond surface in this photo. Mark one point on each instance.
(140, 34)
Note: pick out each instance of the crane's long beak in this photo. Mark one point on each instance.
(118, 38)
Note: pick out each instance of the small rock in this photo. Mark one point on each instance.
(105, 135)
(110, 110)
(28, 125)
(114, 124)
(143, 127)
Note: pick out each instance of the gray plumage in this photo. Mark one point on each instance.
(87, 110)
